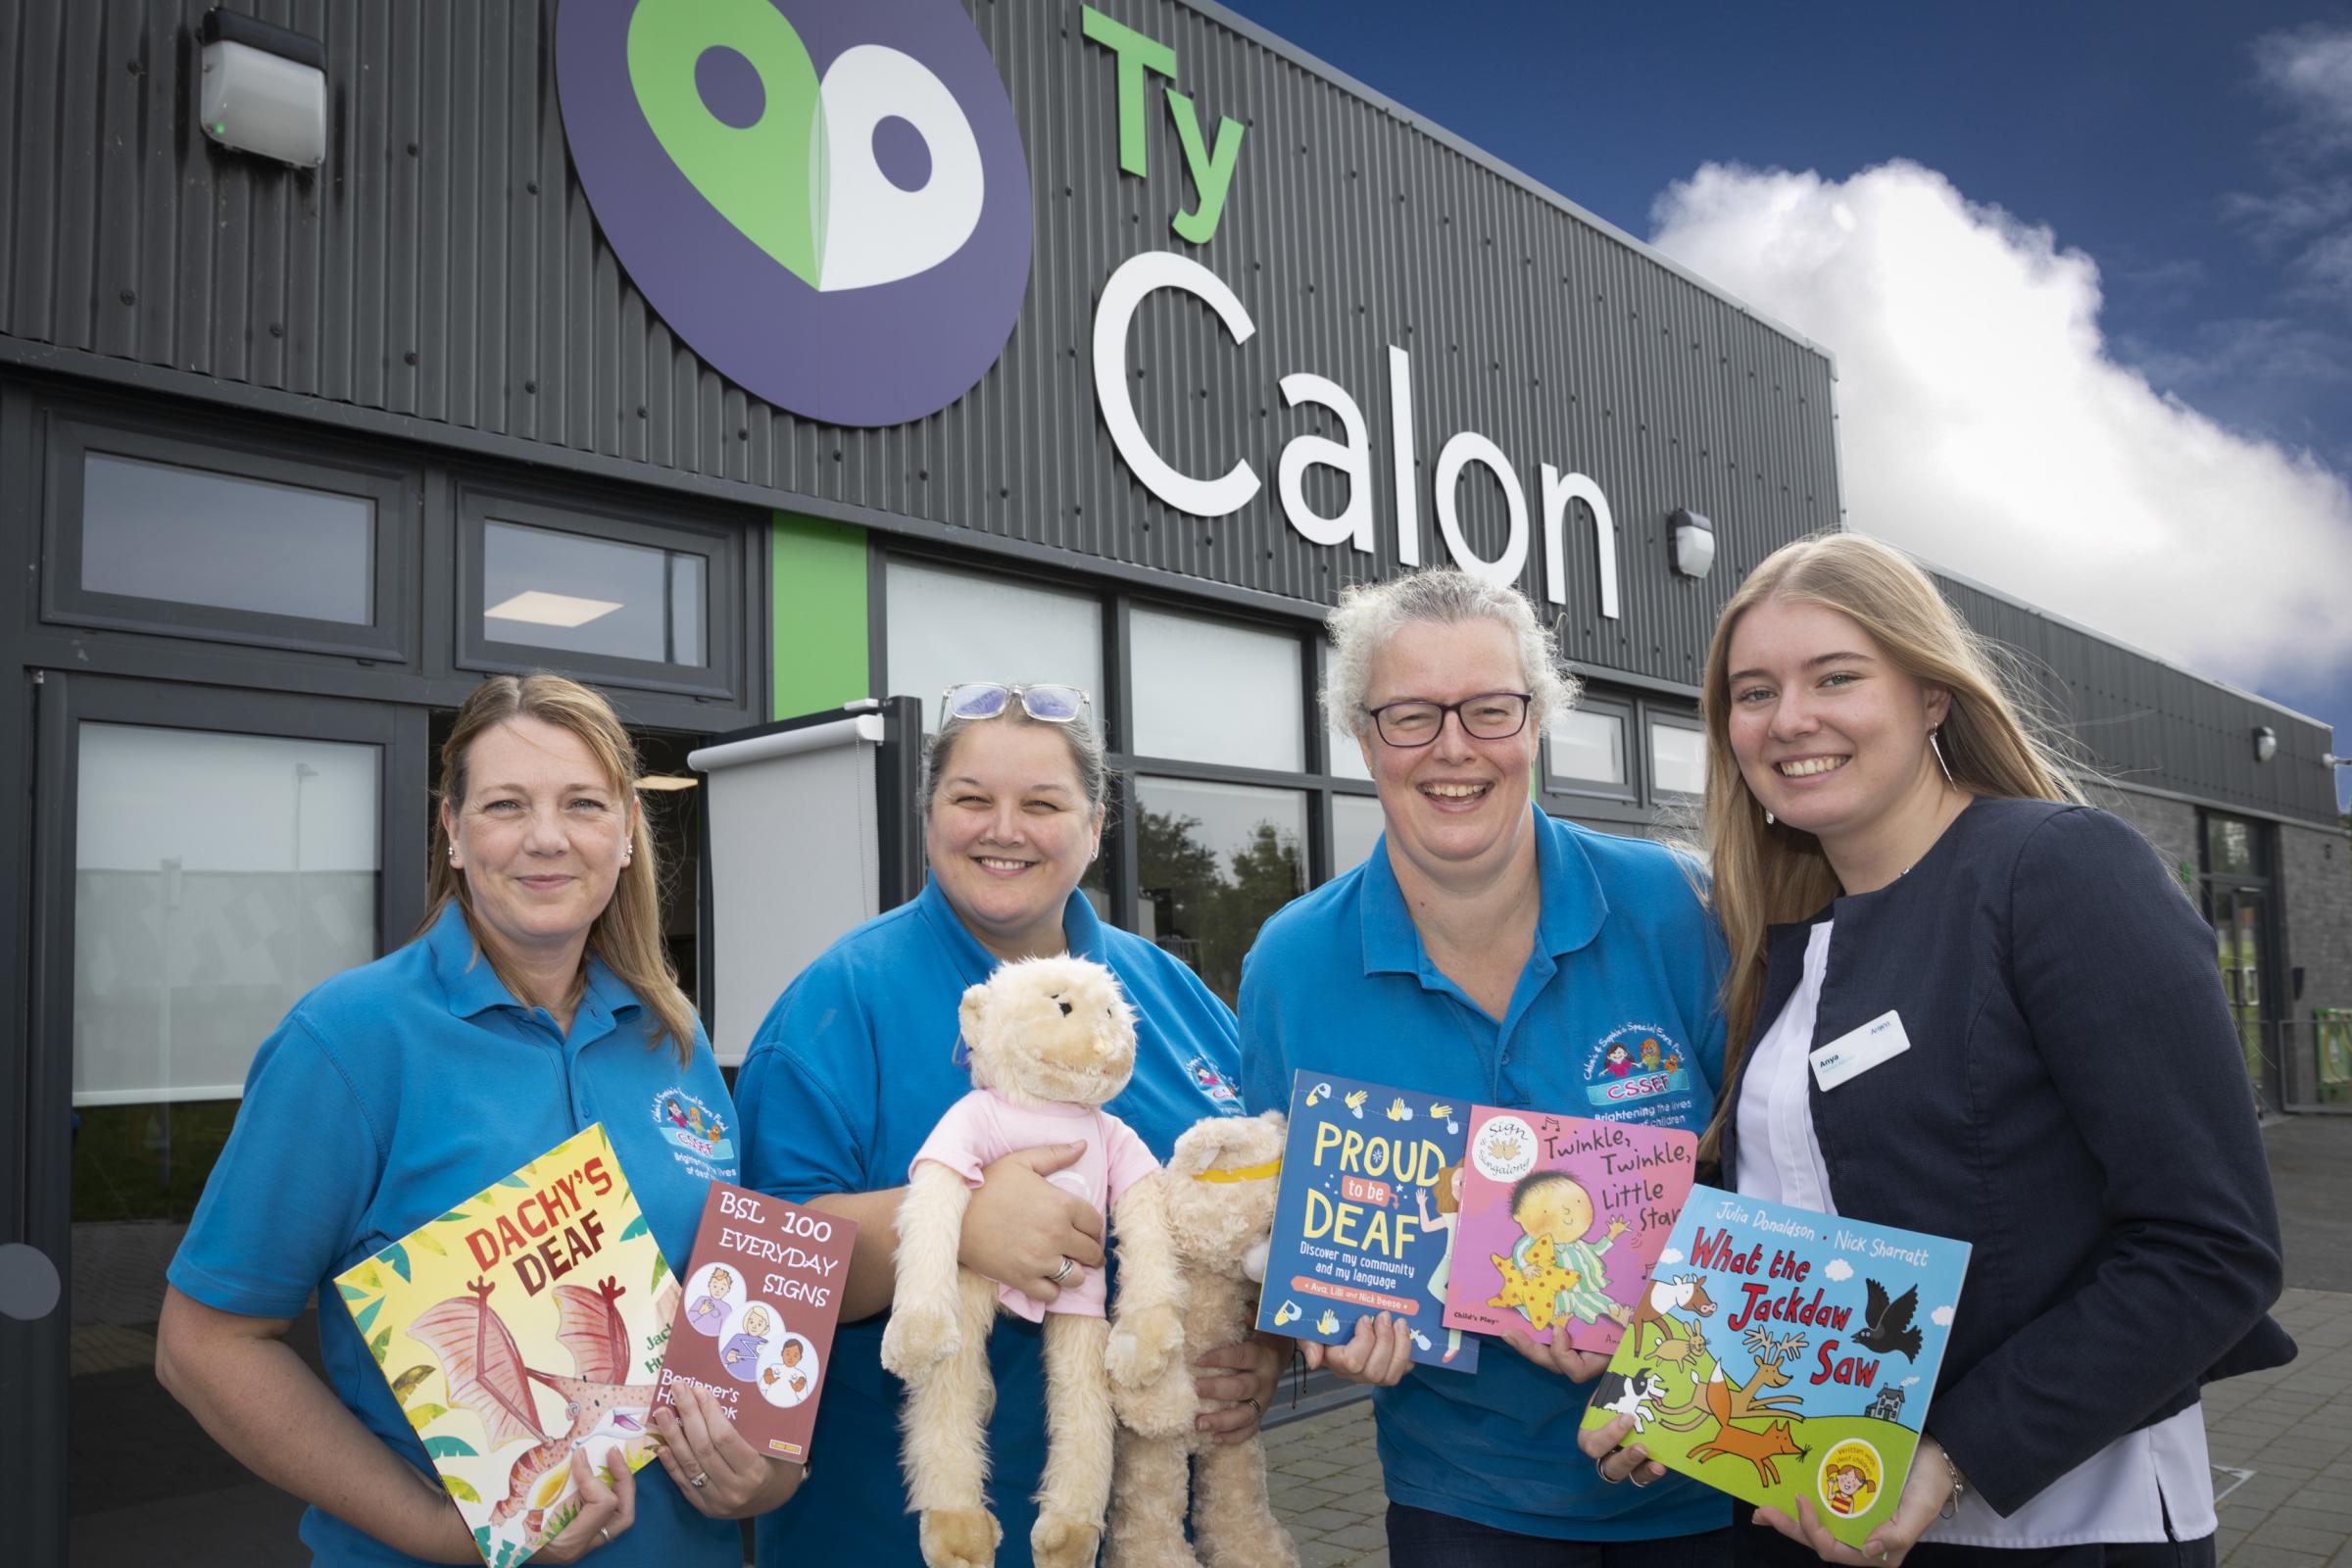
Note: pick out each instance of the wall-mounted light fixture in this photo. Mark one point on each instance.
(264, 90)
(1693, 542)
(2266, 743)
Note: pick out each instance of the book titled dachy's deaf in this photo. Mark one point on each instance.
(524, 1323)
(754, 1326)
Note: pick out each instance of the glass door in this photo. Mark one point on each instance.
(2237, 926)
(205, 859)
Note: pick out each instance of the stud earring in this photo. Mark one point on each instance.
(452, 854)
(1769, 819)
(1936, 746)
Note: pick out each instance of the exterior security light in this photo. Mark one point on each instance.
(2266, 743)
(264, 90)
(1693, 543)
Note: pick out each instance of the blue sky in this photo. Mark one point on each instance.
(2088, 270)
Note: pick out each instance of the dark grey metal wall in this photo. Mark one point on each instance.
(443, 278)
(444, 266)
(2147, 724)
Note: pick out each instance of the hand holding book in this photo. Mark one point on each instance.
(723, 1476)
(1926, 1490)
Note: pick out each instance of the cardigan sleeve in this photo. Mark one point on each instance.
(2112, 971)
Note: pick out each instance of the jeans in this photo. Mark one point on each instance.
(1420, 1539)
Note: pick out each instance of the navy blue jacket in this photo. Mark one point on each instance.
(2075, 1106)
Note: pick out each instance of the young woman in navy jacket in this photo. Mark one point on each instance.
(2069, 1096)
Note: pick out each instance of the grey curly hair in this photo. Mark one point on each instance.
(1370, 614)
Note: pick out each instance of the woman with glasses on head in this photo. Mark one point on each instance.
(857, 1060)
(1488, 954)
(1889, 837)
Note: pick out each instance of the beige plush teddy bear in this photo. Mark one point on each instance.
(1221, 1185)
(1051, 1041)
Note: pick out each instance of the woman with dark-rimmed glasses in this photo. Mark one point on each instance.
(857, 1060)
(1488, 954)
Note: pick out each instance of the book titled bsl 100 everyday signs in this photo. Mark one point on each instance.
(1358, 1228)
(754, 1328)
(1781, 1353)
(524, 1323)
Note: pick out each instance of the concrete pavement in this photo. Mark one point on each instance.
(2281, 1440)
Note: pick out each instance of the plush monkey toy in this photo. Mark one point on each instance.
(1051, 1041)
(1221, 1180)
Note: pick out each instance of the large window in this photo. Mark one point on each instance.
(224, 542)
(217, 878)
(1213, 860)
(1211, 692)
(943, 628)
(634, 601)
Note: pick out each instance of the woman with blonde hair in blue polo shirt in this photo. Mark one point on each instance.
(857, 1060)
(1889, 837)
(1487, 953)
(536, 999)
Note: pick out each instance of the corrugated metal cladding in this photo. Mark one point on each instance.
(445, 265)
(2139, 721)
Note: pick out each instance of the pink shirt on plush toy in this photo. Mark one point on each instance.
(983, 1127)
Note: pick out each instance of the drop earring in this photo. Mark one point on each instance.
(1936, 746)
(1768, 819)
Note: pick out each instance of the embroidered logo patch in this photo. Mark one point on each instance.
(1634, 1061)
(697, 1135)
(1219, 1088)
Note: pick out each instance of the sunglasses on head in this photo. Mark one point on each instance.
(987, 699)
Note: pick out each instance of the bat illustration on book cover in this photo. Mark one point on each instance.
(487, 1376)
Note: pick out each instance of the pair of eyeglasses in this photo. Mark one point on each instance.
(1487, 716)
(987, 699)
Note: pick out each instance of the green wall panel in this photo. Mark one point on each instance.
(818, 596)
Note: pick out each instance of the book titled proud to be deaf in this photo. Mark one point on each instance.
(756, 1325)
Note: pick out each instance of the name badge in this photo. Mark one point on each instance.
(1851, 1055)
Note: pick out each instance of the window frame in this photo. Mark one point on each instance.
(1652, 716)
(392, 491)
(721, 545)
(1628, 793)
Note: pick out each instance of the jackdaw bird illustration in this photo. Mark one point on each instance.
(1889, 1327)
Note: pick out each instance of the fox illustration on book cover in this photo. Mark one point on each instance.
(541, 1307)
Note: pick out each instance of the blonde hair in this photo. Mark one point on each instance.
(1772, 874)
(627, 934)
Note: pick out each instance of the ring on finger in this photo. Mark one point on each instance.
(698, 1482)
(1062, 1273)
(1634, 1477)
(1255, 1408)
(604, 1537)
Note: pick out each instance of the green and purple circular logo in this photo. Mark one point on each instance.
(826, 199)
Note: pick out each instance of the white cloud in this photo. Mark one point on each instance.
(1672, 1255)
(2310, 69)
(1941, 1317)
(1839, 1269)
(1986, 425)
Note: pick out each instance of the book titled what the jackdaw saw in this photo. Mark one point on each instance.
(1780, 1354)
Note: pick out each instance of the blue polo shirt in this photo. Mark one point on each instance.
(389, 1095)
(1626, 964)
(840, 1086)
